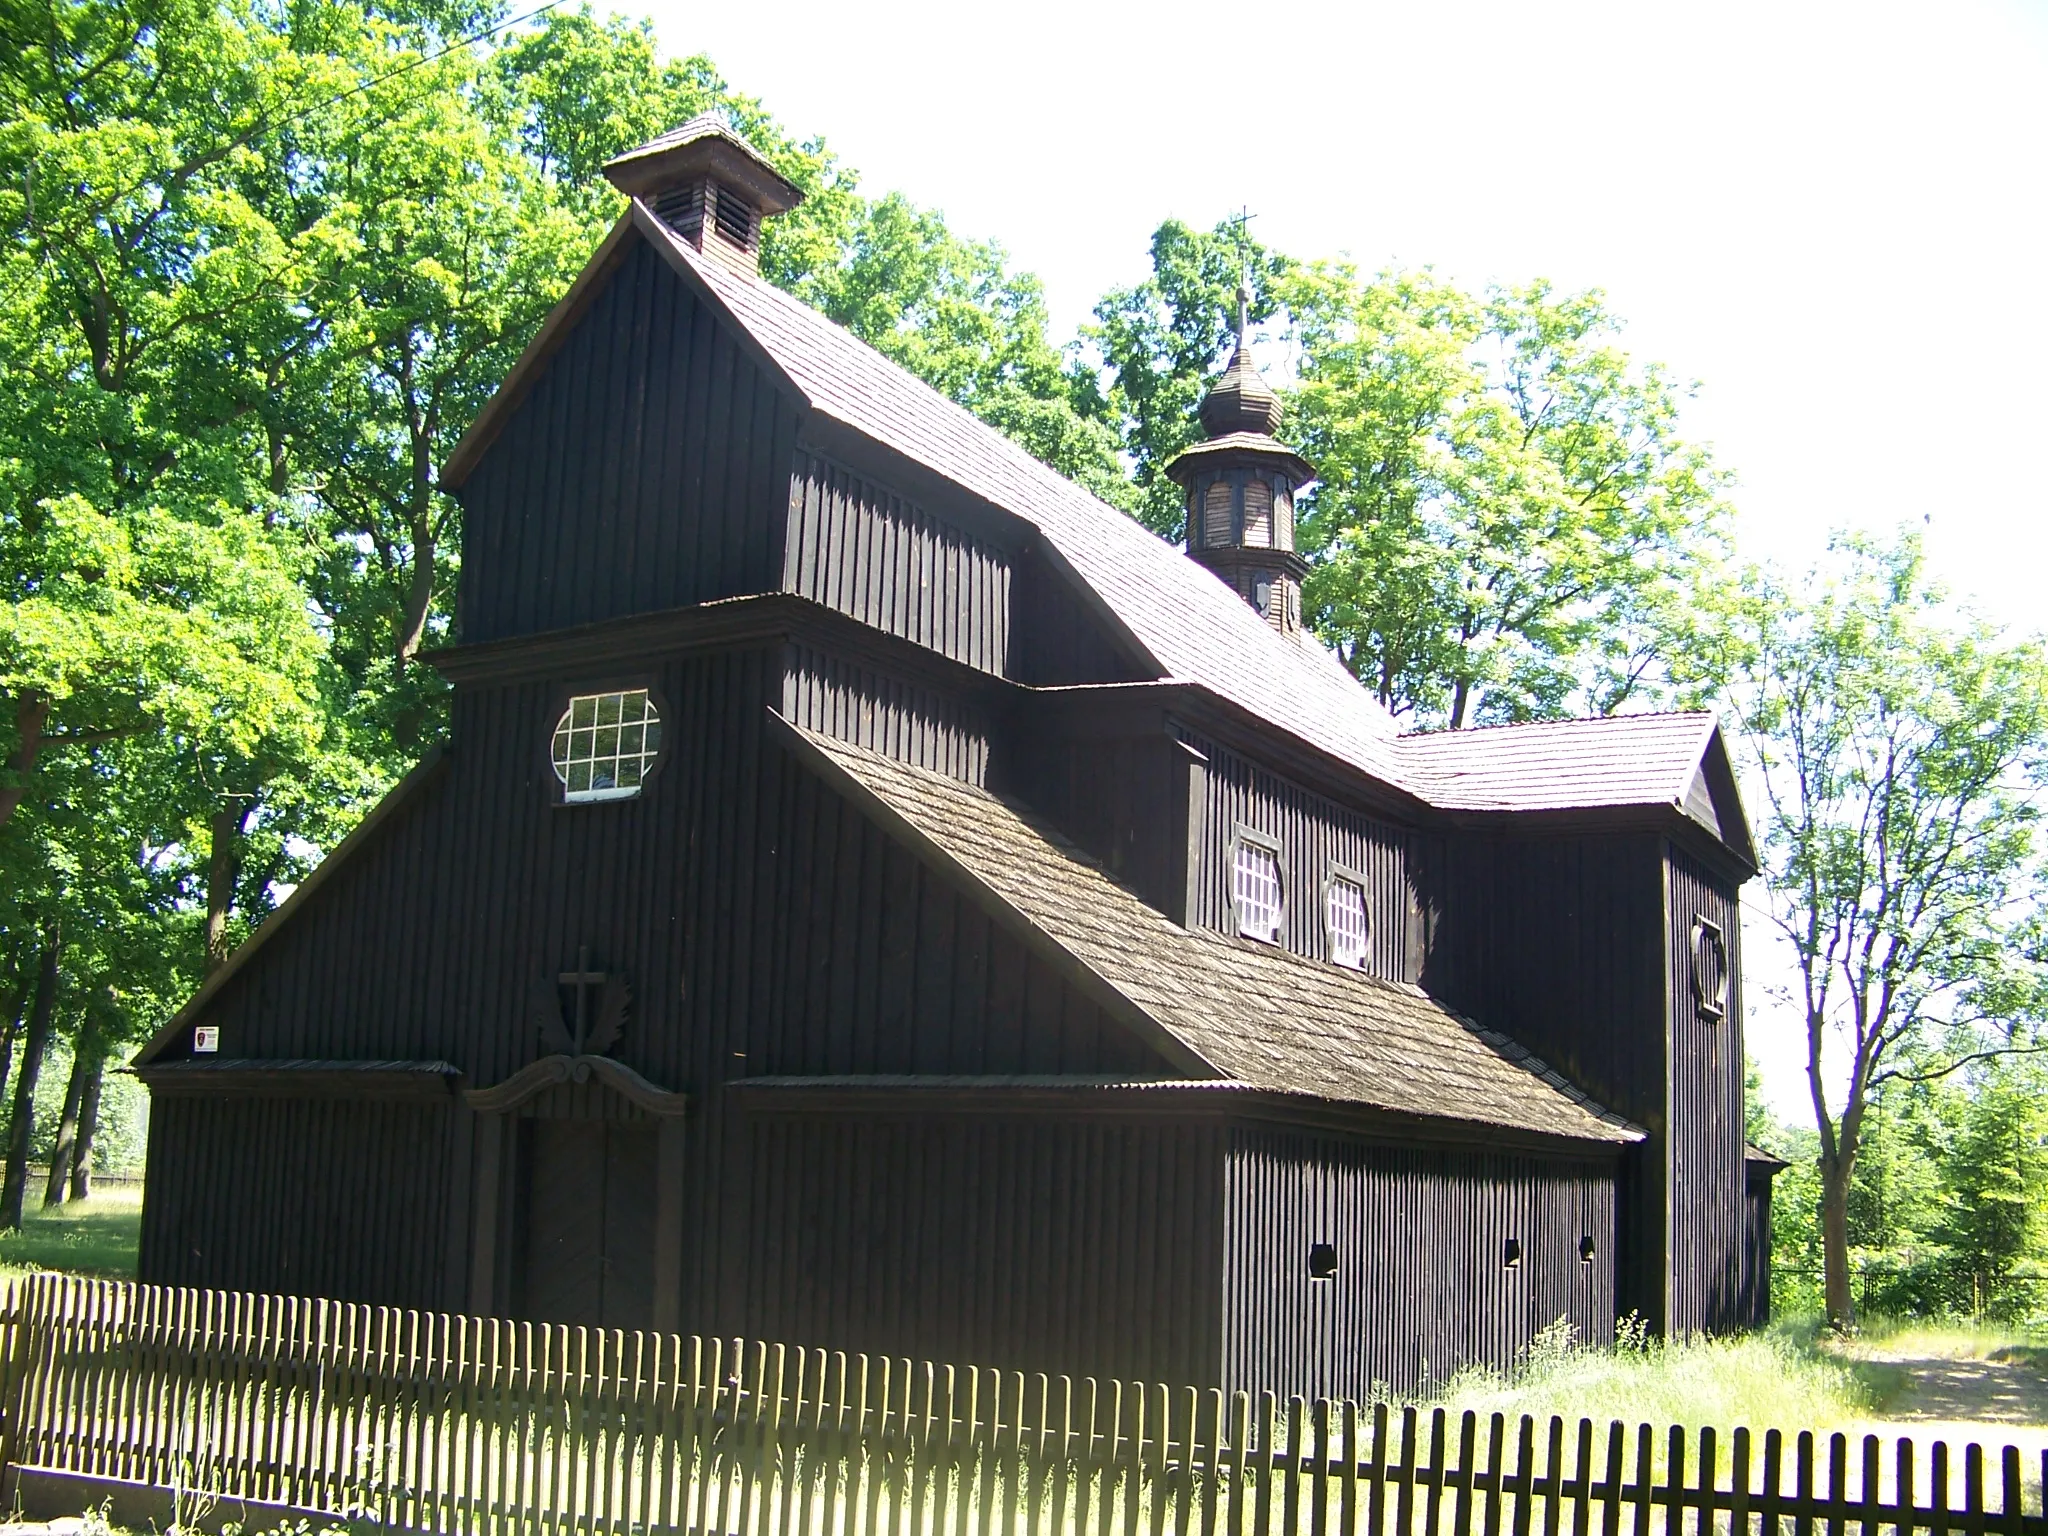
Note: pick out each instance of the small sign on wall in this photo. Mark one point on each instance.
(206, 1039)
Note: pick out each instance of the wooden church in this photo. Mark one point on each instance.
(875, 895)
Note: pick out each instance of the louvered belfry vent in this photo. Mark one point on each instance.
(710, 186)
(736, 219)
(682, 209)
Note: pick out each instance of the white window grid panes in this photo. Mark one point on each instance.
(1257, 886)
(605, 743)
(1349, 927)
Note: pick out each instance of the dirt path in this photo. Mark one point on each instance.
(1995, 1402)
(2009, 1388)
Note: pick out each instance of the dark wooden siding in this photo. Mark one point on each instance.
(764, 926)
(1126, 798)
(1422, 1285)
(1084, 1247)
(299, 1196)
(1706, 1137)
(1754, 1308)
(1558, 942)
(648, 469)
(886, 967)
(864, 705)
(1313, 833)
(1058, 637)
(861, 549)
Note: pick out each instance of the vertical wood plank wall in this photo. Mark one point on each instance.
(1056, 639)
(866, 552)
(896, 718)
(1708, 1218)
(1753, 1309)
(1558, 942)
(1032, 1245)
(1422, 1285)
(1313, 832)
(648, 469)
(300, 1197)
(763, 924)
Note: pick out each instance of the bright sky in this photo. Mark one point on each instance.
(1830, 215)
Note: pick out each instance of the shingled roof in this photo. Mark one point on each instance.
(1254, 1015)
(1190, 626)
(1559, 764)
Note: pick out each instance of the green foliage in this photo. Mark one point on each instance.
(1507, 524)
(1160, 341)
(1900, 747)
(1946, 1217)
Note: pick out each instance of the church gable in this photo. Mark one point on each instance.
(640, 464)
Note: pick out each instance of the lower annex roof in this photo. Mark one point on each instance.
(1253, 1014)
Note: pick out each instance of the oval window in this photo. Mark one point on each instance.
(605, 743)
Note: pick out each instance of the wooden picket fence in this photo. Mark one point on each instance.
(377, 1416)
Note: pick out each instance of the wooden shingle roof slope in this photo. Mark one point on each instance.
(1559, 764)
(1191, 626)
(1255, 1015)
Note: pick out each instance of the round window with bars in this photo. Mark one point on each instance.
(605, 744)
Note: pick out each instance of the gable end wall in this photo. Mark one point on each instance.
(647, 469)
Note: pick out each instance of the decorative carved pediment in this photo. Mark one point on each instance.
(531, 1081)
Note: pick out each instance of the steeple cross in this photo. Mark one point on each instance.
(583, 978)
(1240, 222)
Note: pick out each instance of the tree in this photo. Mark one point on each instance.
(1158, 343)
(1900, 747)
(1507, 524)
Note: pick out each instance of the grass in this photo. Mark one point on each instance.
(1792, 1376)
(1780, 1378)
(92, 1237)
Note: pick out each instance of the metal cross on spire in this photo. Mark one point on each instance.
(1239, 223)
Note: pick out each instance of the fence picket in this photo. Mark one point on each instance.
(1738, 1483)
(1674, 1477)
(1774, 1469)
(1709, 1480)
(438, 1422)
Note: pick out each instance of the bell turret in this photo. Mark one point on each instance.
(1241, 483)
(710, 186)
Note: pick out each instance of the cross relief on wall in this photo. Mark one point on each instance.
(595, 1029)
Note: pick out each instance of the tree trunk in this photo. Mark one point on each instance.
(419, 597)
(83, 1051)
(41, 1013)
(1834, 1242)
(223, 868)
(88, 1130)
(13, 1026)
(31, 714)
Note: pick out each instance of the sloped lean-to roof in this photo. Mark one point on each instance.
(1255, 1015)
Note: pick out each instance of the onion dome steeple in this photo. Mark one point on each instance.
(1241, 483)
